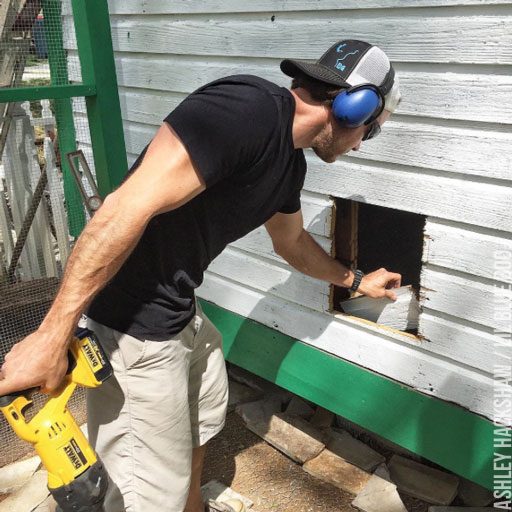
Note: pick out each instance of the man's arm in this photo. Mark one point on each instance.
(299, 249)
(165, 180)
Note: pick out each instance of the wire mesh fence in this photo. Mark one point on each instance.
(38, 221)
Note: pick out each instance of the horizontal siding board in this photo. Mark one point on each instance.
(461, 248)
(451, 338)
(459, 150)
(213, 6)
(270, 277)
(469, 151)
(459, 96)
(457, 199)
(474, 300)
(308, 37)
(356, 343)
(259, 242)
(481, 204)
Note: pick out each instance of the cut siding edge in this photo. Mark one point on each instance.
(379, 352)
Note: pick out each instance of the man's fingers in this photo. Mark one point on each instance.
(391, 295)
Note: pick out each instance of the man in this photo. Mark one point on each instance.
(227, 160)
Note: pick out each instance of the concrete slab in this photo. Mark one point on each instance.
(379, 495)
(299, 407)
(423, 482)
(474, 495)
(344, 445)
(260, 411)
(333, 469)
(322, 418)
(293, 436)
(241, 394)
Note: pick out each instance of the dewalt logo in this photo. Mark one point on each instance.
(91, 354)
(74, 454)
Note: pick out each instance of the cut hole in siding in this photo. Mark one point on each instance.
(369, 237)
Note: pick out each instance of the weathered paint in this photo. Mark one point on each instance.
(441, 432)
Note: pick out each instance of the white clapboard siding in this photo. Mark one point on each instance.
(467, 249)
(479, 203)
(463, 296)
(446, 148)
(267, 276)
(406, 34)
(482, 204)
(259, 242)
(470, 344)
(273, 6)
(403, 142)
(447, 93)
(338, 336)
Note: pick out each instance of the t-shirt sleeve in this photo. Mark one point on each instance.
(225, 127)
(292, 204)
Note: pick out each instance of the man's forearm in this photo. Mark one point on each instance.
(308, 257)
(98, 254)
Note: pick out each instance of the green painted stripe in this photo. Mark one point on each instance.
(46, 92)
(444, 433)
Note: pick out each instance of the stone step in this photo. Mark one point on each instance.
(423, 482)
(344, 445)
(379, 495)
(28, 497)
(330, 468)
(293, 436)
(299, 407)
(474, 495)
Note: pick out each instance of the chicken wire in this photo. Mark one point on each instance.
(34, 213)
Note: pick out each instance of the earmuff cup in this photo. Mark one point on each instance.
(358, 105)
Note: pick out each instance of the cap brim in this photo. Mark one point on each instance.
(314, 70)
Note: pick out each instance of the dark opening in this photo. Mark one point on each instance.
(369, 237)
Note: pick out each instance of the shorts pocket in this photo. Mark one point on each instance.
(131, 350)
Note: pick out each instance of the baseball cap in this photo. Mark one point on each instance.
(348, 63)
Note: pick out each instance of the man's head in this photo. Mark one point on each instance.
(357, 82)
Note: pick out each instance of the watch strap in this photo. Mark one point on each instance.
(358, 277)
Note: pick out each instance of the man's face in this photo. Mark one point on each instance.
(334, 140)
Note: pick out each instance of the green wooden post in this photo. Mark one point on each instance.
(63, 111)
(92, 26)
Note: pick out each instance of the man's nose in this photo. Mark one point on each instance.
(356, 148)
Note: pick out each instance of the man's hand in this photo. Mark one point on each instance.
(378, 284)
(35, 362)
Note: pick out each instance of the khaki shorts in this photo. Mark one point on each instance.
(164, 398)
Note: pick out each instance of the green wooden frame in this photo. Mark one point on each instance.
(99, 87)
(442, 432)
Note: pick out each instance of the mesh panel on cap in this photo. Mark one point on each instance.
(372, 68)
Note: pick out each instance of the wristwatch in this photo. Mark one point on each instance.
(358, 276)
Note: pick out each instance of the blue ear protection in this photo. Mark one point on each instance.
(358, 105)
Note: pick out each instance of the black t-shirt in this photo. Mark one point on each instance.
(238, 132)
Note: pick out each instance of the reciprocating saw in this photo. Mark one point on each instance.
(77, 479)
